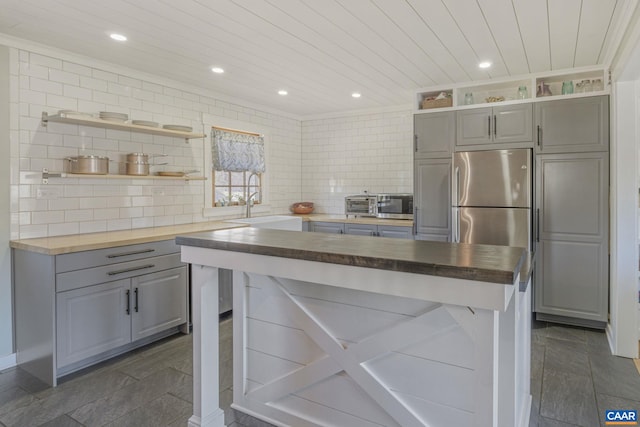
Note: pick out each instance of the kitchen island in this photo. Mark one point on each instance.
(343, 330)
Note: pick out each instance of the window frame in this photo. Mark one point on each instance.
(209, 210)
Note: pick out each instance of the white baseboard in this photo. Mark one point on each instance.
(8, 361)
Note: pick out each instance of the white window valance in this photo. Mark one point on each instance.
(236, 151)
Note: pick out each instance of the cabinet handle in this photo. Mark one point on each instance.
(144, 251)
(415, 143)
(539, 133)
(135, 293)
(489, 133)
(537, 225)
(128, 301)
(495, 125)
(414, 229)
(127, 270)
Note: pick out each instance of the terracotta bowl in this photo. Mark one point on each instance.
(302, 208)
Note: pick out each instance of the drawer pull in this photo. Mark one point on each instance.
(144, 251)
(127, 270)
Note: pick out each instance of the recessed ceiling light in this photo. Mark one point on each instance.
(356, 95)
(283, 92)
(118, 37)
(484, 64)
(217, 70)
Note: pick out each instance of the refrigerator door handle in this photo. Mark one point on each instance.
(455, 214)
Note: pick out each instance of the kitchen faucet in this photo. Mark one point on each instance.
(249, 199)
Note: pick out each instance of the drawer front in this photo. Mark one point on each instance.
(87, 259)
(108, 273)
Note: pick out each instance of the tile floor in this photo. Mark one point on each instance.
(574, 379)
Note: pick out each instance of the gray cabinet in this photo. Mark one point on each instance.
(92, 320)
(572, 238)
(159, 302)
(398, 232)
(326, 227)
(434, 134)
(573, 125)
(498, 125)
(76, 309)
(432, 199)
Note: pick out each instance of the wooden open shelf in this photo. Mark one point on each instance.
(94, 122)
(46, 175)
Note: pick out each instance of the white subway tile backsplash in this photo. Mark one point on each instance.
(78, 93)
(47, 61)
(72, 205)
(93, 226)
(72, 67)
(46, 86)
(64, 77)
(107, 99)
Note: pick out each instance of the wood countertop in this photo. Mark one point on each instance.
(356, 220)
(86, 242)
(484, 263)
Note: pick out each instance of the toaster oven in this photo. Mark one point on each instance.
(361, 205)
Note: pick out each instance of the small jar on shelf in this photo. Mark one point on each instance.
(597, 85)
(522, 92)
(468, 98)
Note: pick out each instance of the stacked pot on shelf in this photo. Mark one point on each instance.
(138, 163)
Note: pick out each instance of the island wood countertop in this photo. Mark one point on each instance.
(484, 263)
(86, 242)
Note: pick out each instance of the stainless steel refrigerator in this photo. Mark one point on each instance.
(491, 196)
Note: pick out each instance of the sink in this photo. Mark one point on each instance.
(275, 222)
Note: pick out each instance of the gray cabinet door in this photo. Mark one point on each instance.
(159, 302)
(573, 125)
(327, 227)
(572, 233)
(432, 199)
(92, 320)
(361, 229)
(506, 124)
(434, 134)
(513, 123)
(474, 126)
(396, 232)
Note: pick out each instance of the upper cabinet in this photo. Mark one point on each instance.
(573, 125)
(505, 124)
(434, 134)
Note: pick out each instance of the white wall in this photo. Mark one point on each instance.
(69, 206)
(352, 153)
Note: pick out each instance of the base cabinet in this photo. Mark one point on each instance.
(76, 309)
(92, 320)
(159, 302)
(393, 231)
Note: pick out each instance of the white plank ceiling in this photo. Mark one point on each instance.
(321, 51)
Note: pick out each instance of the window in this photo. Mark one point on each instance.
(237, 163)
(230, 188)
